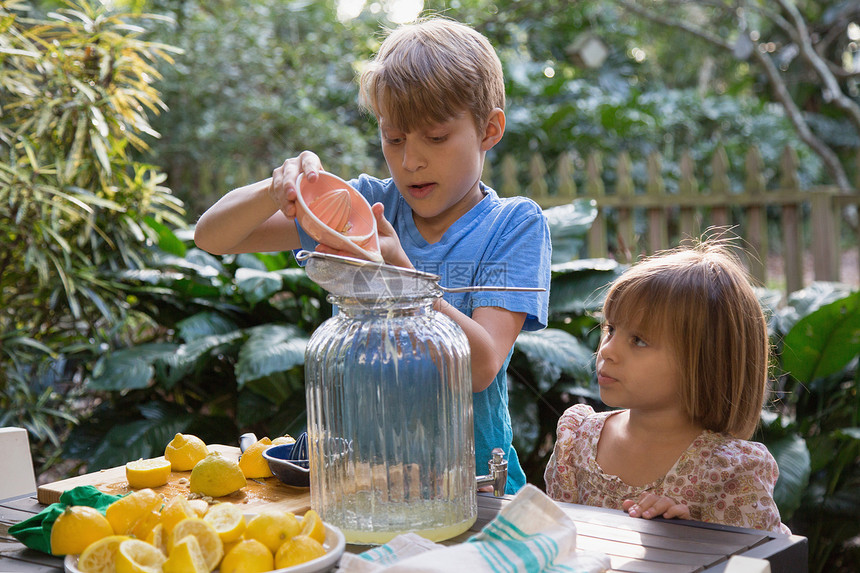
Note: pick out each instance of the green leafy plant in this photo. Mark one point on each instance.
(813, 429)
(222, 354)
(75, 90)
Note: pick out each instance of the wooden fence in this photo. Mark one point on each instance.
(816, 214)
(806, 225)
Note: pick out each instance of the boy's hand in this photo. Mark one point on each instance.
(389, 243)
(650, 505)
(283, 190)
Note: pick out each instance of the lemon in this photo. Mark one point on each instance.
(184, 451)
(285, 439)
(216, 476)
(210, 544)
(100, 557)
(252, 462)
(144, 524)
(186, 557)
(76, 528)
(200, 506)
(177, 509)
(248, 556)
(313, 526)
(124, 513)
(147, 473)
(228, 521)
(299, 549)
(272, 528)
(136, 556)
(158, 538)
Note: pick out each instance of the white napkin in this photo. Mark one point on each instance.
(530, 534)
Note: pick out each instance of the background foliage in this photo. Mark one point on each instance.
(115, 332)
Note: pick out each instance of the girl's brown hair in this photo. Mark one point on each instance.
(700, 299)
(430, 72)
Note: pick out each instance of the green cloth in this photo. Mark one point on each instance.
(35, 532)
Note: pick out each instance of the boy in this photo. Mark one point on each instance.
(436, 89)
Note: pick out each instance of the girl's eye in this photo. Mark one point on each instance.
(639, 342)
(608, 329)
(438, 138)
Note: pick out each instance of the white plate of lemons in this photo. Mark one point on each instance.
(147, 555)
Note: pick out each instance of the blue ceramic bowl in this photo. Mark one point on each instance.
(292, 472)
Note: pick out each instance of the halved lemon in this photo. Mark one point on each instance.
(228, 521)
(252, 463)
(184, 451)
(313, 526)
(147, 473)
(100, 557)
(210, 544)
(186, 557)
(124, 513)
(136, 556)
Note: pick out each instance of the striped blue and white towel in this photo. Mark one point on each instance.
(530, 534)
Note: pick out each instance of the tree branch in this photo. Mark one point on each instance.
(834, 166)
(801, 37)
(632, 6)
(781, 92)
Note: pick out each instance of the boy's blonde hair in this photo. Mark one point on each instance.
(699, 300)
(430, 72)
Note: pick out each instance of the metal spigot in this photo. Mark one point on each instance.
(498, 476)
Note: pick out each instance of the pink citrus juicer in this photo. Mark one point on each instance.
(333, 213)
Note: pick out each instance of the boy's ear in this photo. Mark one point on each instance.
(494, 130)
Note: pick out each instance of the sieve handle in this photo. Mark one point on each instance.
(490, 288)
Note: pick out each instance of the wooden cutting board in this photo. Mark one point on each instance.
(256, 496)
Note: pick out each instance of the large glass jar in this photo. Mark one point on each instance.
(390, 431)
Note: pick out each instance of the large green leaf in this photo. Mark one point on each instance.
(551, 352)
(577, 286)
(525, 420)
(280, 388)
(806, 301)
(792, 457)
(204, 324)
(167, 240)
(270, 349)
(173, 367)
(568, 226)
(129, 368)
(256, 285)
(824, 342)
(139, 438)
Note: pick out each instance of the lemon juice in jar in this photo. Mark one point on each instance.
(390, 431)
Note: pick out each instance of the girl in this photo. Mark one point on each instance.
(684, 352)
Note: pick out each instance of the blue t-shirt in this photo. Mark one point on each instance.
(498, 242)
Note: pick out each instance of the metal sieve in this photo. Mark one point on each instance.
(350, 277)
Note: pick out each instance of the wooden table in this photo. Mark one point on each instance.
(634, 545)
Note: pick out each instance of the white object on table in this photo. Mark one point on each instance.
(18, 475)
(531, 533)
(741, 564)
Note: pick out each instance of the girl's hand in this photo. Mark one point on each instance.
(283, 189)
(650, 505)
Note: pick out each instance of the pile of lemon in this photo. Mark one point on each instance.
(212, 474)
(144, 533)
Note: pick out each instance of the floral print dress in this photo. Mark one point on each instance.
(720, 478)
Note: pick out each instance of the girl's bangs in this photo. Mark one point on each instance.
(639, 306)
